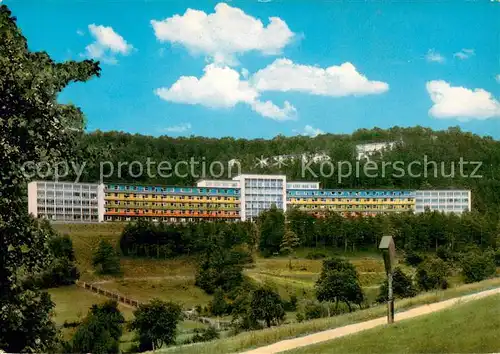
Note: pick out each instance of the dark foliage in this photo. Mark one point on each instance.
(432, 273)
(402, 286)
(106, 259)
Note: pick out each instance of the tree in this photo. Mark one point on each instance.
(266, 305)
(34, 128)
(156, 324)
(432, 273)
(106, 259)
(339, 282)
(100, 331)
(220, 268)
(218, 305)
(478, 266)
(402, 286)
(272, 229)
(288, 244)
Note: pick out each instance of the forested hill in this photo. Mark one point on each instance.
(444, 147)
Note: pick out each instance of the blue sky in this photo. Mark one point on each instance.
(259, 69)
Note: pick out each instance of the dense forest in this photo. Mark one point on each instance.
(414, 144)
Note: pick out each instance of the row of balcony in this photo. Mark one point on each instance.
(160, 213)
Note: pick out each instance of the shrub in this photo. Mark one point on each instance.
(413, 258)
(402, 286)
(290, 305)
(100, 331)
(300, 317)
(218, 305)
(432, 273)
(316, 255)
(478, 266)
(203, 335)
(445, 254)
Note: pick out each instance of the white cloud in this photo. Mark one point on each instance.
(107, 44)
(180, 128)
(270, 110)
(434, 56)
(80, 32)
(464, 54)
(337, 81)
(497, 77)
(460, 102)
(218, 87)
(223, 34)
(310, 131)
(221, 87)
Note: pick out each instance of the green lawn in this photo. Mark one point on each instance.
(254, 339)
(73, 303)
(473, 327)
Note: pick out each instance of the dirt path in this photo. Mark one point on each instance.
(358, 327)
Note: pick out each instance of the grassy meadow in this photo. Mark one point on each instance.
(440, 332)
(254, 339)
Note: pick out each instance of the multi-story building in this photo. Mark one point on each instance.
(351, 202)
(162, 203)
(242, 198)
(259, 193)
(68, 202)
(456, 201)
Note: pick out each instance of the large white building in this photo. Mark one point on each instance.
(242, 198)
(69, 202)
(456, 201)
(259, 192)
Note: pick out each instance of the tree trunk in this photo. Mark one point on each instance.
(348, 305)
(268, 322)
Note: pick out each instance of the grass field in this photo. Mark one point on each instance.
(263, 337)
(173, 279)
(73, 303)
(466, 328)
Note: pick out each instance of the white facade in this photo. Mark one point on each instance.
(456, 201)
(302, 185)
(70, 202)
(364, 151)
(218, 183)
(259, 193)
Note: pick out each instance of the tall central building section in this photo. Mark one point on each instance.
(259, 193)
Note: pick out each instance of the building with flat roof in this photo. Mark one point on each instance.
(242, 198)
(259, 193)
(452, 200)
(66, 202)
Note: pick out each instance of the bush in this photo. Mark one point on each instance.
(290, 305)
(100, 331)
(445, 254)
(300, 317)
(413, 258)
(496, 256)
(402, 286)
(478, 266)
(316, 255)
(218, 305)
(203, 335)
(312, 310)
(432, 273)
